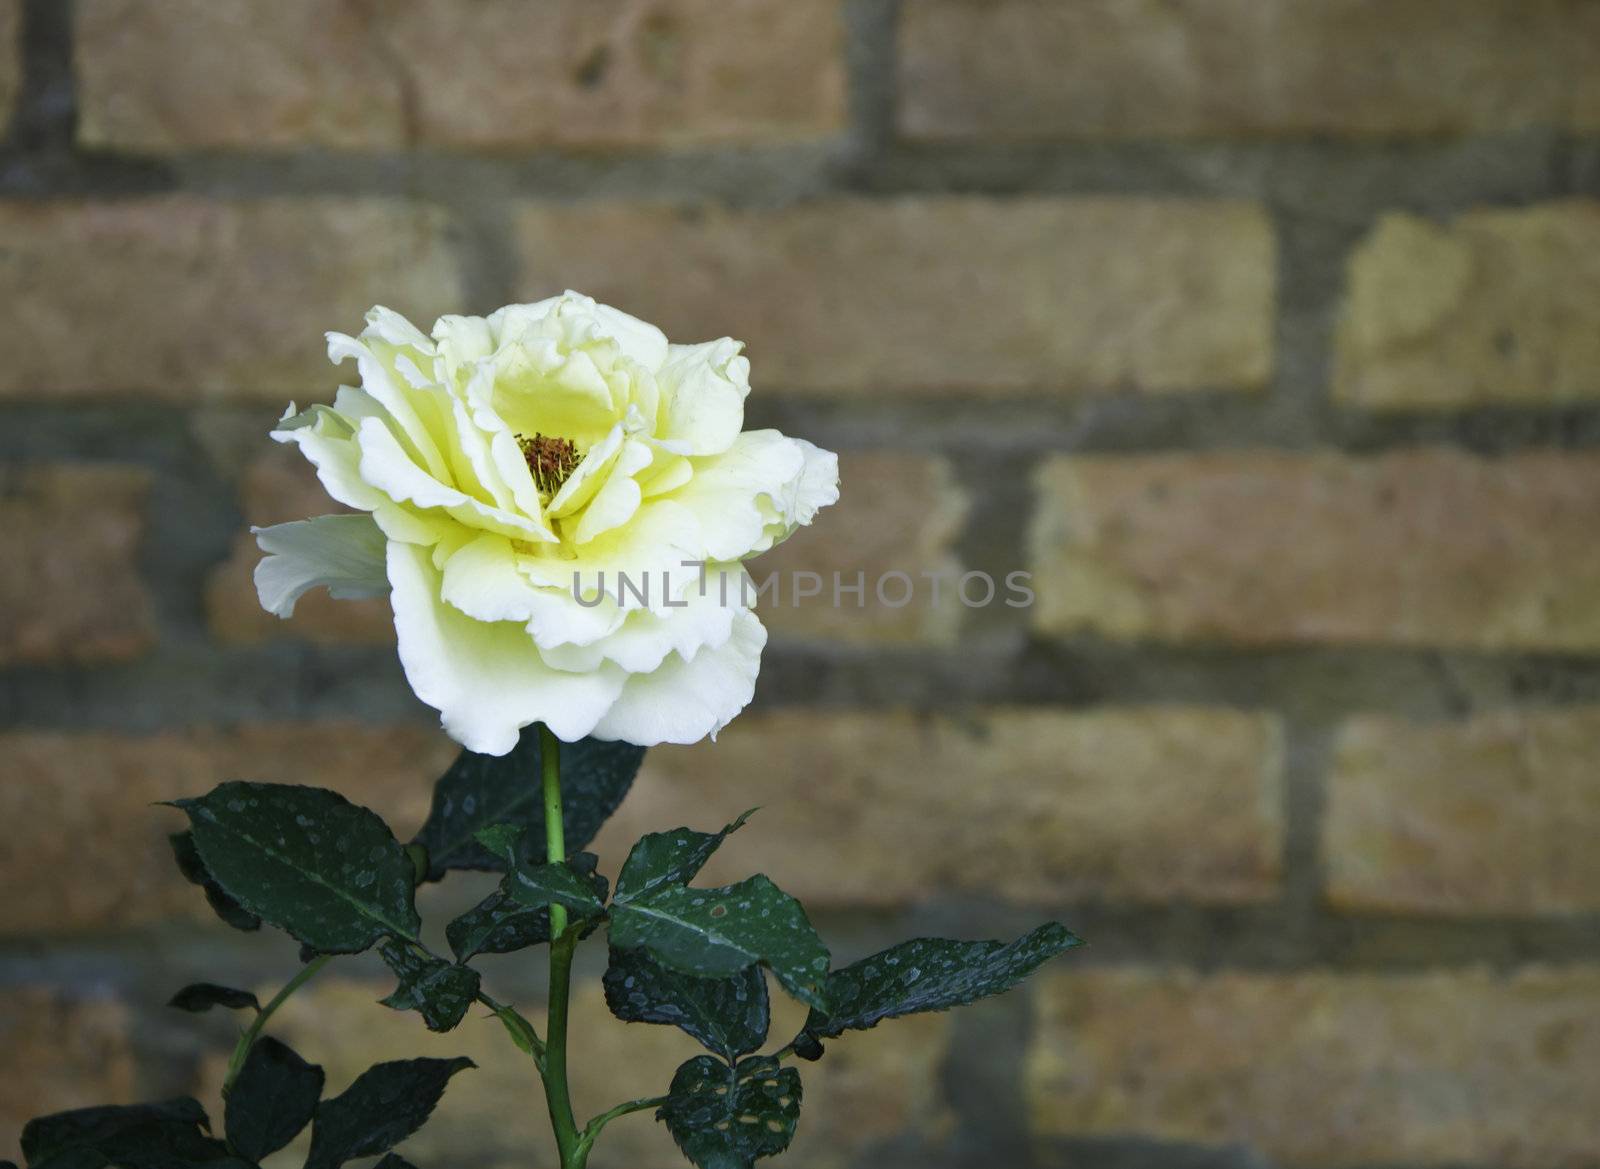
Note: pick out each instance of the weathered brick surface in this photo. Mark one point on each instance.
(70, 589)
(1495, 815)
(95, 855)
(1031, 806)
(896, 513)
(964, 239)
(64, 1052)
(10, 59)
(1426, 547)
(250, 74)
(635, 73)
(1100, 69)
(937, 294)
(1496, 306)
(254, 74)
(1322, 1069)
(279, 487)
(870, 1087)
(180, 298)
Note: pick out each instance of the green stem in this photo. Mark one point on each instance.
(241, 1050)
(557, 1096)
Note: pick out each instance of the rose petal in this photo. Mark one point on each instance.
(484, 580)
(487, 680)
(343, 553)
(386, 466)
(619, 496)
(704, 387)
(685, 701)
(702, 619)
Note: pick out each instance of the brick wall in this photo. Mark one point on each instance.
(1265, 333)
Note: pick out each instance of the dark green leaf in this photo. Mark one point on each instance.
(559, 884)
(194, 871)
(669, 858)
(308, 861)
(202, 996)
(930, 974)
(394, 1161)
(724, 1117)
(504, 841)
(169, 1135)
(497, 925)
(386, 1104)
(274, 1098)
(727, 1015)
(439, 991)
(75, 1159)
(45, 1136)
(482, 790)
(716, 933)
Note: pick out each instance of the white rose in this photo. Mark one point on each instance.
(510, 465)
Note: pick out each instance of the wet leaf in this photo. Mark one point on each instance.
(479, 791)
(726, 1117)
(386, 1104)
(504, 841)
(500, 924)
(202, 996)
(274, 1098)
(497, 925)
(727, 1015)
(308, 861)
(930, 974)
(716, 933)
(670, 858)
(439, 991)
(194, 871)
(559, 884)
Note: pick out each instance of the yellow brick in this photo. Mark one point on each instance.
(1494, 307)
(1230, 69)
(1424, 547)
(70, 587)
(181, 298)
(937, 295)
(1494, 815)
(1030, 806)
(1324, 1069)
(498, 74)
(897, 513)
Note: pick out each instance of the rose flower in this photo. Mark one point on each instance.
(558, 502)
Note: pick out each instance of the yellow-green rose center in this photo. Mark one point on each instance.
(550, 459)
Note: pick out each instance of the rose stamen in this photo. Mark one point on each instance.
(551, 460)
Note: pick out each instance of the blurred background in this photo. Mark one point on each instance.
(1262, 332)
